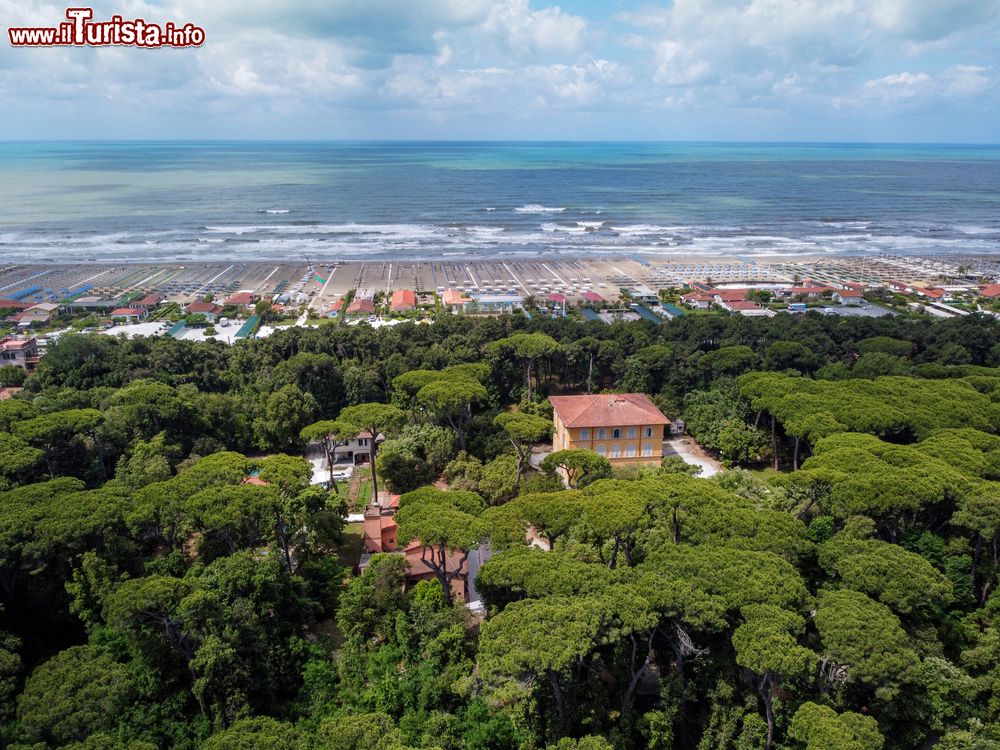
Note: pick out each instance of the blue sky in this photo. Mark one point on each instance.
(802, 70)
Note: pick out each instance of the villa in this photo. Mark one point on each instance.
(622, 427)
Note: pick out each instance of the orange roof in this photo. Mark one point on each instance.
(451, 297)
(414, 552)
(361, 306)
(203, 307)
(126, 311)
(990, 290)
(606, 410)
(13, 304)
(403, 299)
(730, 295)
(254, 479)
(743, 304)
(240, 298)
(149, 300)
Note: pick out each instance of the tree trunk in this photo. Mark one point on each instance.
(774, 440)
(557, 692)
(795, 457)
(976, 555)
(527, 377)
(765, 694)
(614, 553)
(590, 371)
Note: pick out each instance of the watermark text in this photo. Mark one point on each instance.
(80, 30)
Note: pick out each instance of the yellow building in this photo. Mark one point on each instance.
(622, 427)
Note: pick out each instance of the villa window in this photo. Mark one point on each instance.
(630, 450)
(649, 432)
(616, 451)
(601, 450)
(585, 434)
(647, 450)
(601, 434)
(616, 433)
(631, 432)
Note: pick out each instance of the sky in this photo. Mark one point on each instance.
(704, 70)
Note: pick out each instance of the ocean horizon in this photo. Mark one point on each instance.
(183, 201)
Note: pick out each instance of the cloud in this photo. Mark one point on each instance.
(959, 81)
(331, 68)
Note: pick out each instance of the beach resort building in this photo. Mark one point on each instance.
(622, 427)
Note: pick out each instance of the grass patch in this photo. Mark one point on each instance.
(352, 545)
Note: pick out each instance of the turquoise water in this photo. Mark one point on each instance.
(325, 201)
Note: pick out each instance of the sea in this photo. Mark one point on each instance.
(330, 201)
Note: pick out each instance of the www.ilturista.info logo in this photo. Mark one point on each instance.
(81, 30)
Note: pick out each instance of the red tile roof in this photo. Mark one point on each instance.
(149, 300)
(742, 304)
(452, 297)
(607, 409)
(119, 312)
(403, 299)
(593, 297)
(240, 298)
(730, 295)
(808, 289)
(556, 297)
(203, 307)
(15, 304)
(361, 306)
(989, 290)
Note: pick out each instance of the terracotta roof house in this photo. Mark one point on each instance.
(209, 309)
(559, 299)
(129, 313)
(15, 304)
(729, 295)
(988, 290)
(592, 297)
(452, 298)
(361, 307)
(699, 300)
(19, 352)
(150, 300)
(848, 296)
(808, 291)
(242, 299)
(623, 427)
(420, 571)
(403, 300)
(931, 292)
